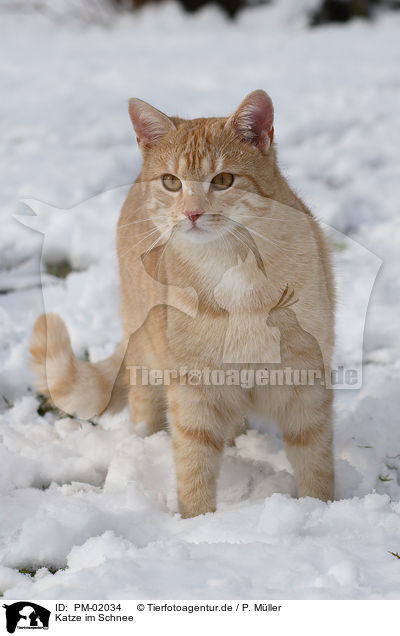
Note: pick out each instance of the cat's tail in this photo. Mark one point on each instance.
(82, 389)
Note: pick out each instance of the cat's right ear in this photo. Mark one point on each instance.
(253, 121)
(150, 124)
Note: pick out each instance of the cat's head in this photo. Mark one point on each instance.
(200, 175)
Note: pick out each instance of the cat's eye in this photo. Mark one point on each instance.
(222, 181)
(171, 183)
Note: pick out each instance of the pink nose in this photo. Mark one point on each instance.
(193, 215)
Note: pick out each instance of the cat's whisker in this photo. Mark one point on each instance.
(141, 233)
(156, 243)
(279, 247)
(160, 259)
(133, 222)
(261, 218)
(138, 243)
(265, 238)
(221, 235)
(239, 239)
(140, 207)
(163, 252)
(147, 252)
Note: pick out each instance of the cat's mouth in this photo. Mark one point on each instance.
(197, 234)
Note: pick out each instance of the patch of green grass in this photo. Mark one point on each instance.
(60, 269)
(361, 446)
(31, 573)
(395, 554)
(28, 572)
(9, 404)
(45, 406)
(386, 477)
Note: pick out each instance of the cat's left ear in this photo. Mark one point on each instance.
(150, 124)
(253, 120)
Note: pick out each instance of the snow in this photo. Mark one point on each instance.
(97, 502)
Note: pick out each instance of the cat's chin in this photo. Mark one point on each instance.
(199, 236)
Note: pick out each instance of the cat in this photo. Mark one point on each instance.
(202, 179)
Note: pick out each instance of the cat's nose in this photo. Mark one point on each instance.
(193, 215)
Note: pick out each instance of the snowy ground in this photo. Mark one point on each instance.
(97, 503)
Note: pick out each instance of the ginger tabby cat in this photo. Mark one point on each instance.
(210, 217)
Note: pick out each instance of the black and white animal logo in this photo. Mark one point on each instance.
(26, 615)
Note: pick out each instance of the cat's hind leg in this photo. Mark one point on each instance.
(148, 404)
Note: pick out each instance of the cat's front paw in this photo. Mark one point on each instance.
(189, 510)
